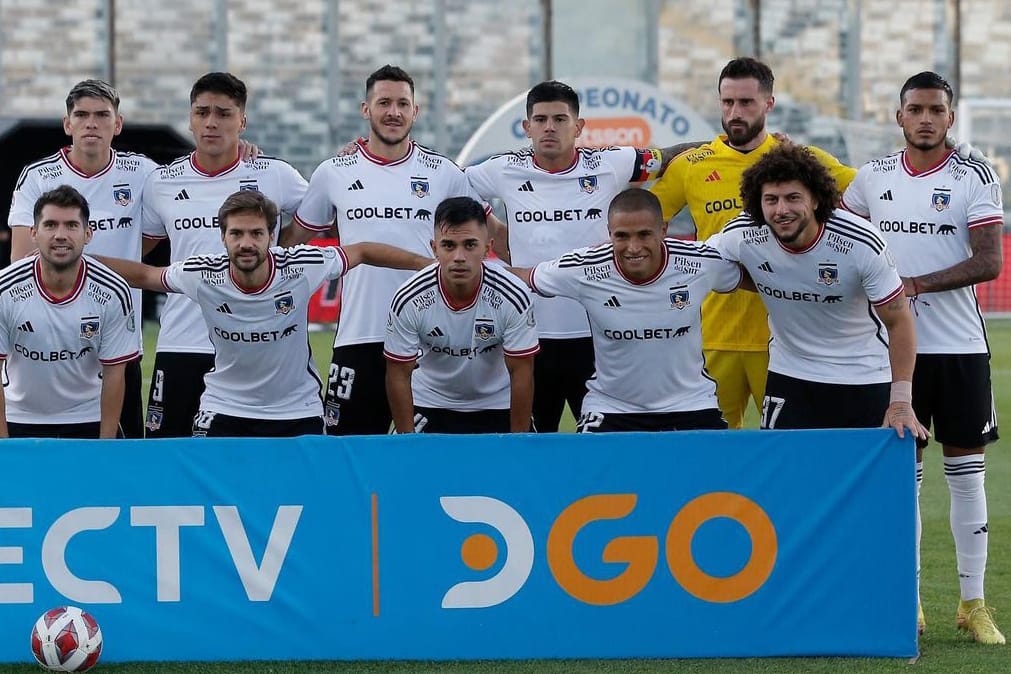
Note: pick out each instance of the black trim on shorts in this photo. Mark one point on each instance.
(651, 422)
(355, 401)
(177, 382)
(796, 403)
(953, 393)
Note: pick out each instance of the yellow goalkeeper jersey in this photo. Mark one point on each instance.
(707, 180)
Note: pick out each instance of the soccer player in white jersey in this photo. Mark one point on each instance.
(67, 330)
(833, 362)
(643, 294)
(942, 217)
(386, 191)
(461, 336)
(181, 202)
(112, 183)
(556, 196)
(255, 300)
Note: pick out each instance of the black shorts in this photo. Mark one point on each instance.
(84, 431)
(953, 393)
(216, 425)
(355, 400)
(437, 420)
(619, 422)
(561, 369)
(795, 403)
(131, 419)
(177, 383)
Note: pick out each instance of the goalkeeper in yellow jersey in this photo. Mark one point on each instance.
(735, 331)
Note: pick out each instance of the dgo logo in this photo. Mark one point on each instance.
(640, 554)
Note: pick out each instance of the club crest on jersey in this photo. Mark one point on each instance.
(484, 329)
(420, 187)
(284, 304)
(941, 200)
(828, 273)
(154, 418)
(89, 327)
(588, 184)
(248, 186)
(122, 195)
(680, 298)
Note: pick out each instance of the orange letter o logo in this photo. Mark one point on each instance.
(745, 512)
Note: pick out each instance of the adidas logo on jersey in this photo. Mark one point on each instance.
(612, 302)
(887, 196)
(436, 332)
(355, 186)
(26, 327)
(766, 267)
(526, 187)
(713, 177)
(182, 196)
(224, 308)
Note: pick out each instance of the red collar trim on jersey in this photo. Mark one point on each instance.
(798, 251)
(363, 147)
(575, 161)
(65, 154)
(69, 297)
(658, 274)
(908, 168)
(449, 301)
(256, 291)
(209, 174)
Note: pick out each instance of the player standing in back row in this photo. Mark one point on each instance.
(387, 191)
(112, 182)
(557, 197)
(942, 217)
(181, 202)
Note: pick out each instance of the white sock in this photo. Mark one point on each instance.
(919, 522)
(968, 520)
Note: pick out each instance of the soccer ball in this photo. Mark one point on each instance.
(66, 639)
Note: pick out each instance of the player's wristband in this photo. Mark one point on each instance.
(902, 392)
(916, 286)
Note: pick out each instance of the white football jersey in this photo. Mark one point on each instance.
(113, 195)
(181, 202)
(263, 365)
(926, 217)
(55, 347)
(819, 299)
(460, 349)
(647, 337)
(553, 212)
(391, 202)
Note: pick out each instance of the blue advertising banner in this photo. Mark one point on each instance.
(695, 544)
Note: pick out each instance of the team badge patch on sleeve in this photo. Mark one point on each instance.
(828, 273)
(89, 327)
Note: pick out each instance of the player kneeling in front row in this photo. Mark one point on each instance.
(468, 327)
(67, 330)
(643, 294)
(833, 362)
(255, 301)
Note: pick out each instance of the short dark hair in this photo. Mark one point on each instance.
(225, 84)
(551, 91)
(388, 73)
(248, 201)
(782, 164)
(633, 200)
(92, 89)
(745, 67)
(926, 80)
(63, 196)
(457, 211)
